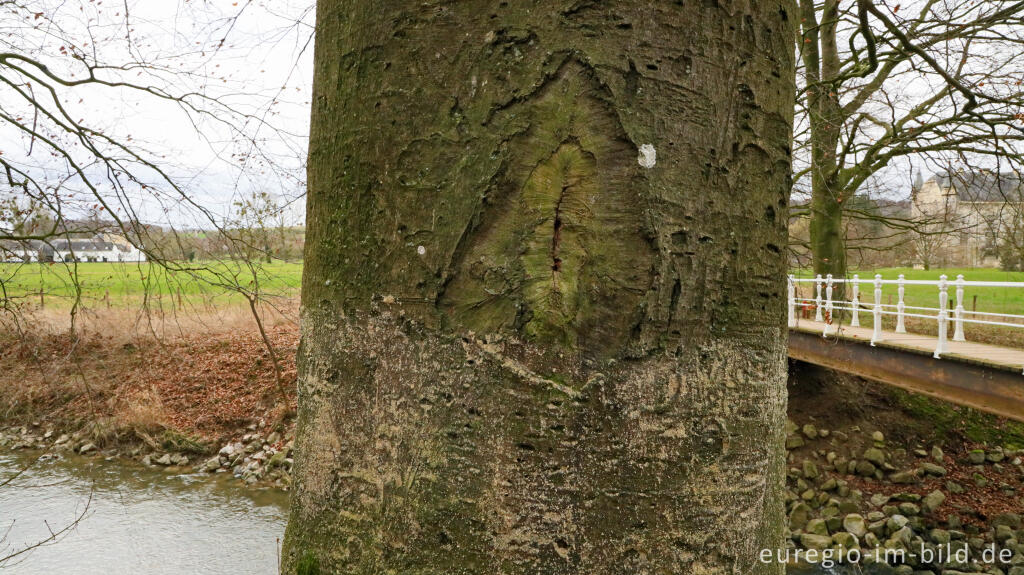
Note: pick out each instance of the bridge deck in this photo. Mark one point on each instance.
(964, 351)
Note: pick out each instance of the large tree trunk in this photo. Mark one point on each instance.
(527, 348)
(828, 237)
(820, 53)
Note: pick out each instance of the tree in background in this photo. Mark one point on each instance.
(544, 288)
(936, 80)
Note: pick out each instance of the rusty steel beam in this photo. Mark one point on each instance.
(983, 387)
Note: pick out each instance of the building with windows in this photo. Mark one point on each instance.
(101, 248)
(967, 219)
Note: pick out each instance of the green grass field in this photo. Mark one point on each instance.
(988, 299)
(123, 284)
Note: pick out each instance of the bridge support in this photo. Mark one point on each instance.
(982, 386)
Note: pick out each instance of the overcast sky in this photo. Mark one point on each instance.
(250, 133)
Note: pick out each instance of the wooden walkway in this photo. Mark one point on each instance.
(963, 351)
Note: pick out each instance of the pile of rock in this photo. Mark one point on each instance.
(35, 438)
(255, 459)
(826, 510)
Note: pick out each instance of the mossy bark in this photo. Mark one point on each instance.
(524, 350)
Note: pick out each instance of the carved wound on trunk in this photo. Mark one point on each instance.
(560, 252)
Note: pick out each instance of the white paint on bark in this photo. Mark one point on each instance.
(648, 156)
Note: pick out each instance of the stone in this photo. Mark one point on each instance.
(799, 516)
(905, 477)
(165, 459)
(276, 460)
(794, 441)
(810, 431)
(830, 485)
(273, 438)
(846, 507)
(810, 470)
(976, 456)
(212, 464)
(976, 543)
(817, 527)
(909, 509)
(937, 454)
(878, 436)
(995, 456)
(933, 501)
(895, 523)
(879, 499)
(933, 469)
(846, 540)
(904, 535)
(865, 468)
(231, 449)
(1003, 533)
(855, 524)
(940, 536)
(812, 541)
(86, 448)
(1011, 520)
(874, 455)
(954, 487)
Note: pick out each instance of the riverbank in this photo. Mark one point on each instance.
(175, 392)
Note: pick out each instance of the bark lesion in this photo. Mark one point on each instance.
(564, 253)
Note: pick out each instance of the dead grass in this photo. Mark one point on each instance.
(125, 375)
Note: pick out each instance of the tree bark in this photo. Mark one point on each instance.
(828, 238)
(543, 302)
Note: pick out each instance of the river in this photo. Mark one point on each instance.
(137, 520)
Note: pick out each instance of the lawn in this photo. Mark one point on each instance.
(983, 299)
(123, 284)
(987, 299)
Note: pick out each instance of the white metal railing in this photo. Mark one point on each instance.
(824, 307)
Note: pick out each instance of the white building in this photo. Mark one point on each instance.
(105, 248)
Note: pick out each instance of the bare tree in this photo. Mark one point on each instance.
(926, 80)
(61, 65)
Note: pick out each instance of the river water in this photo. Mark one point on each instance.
(136, 520)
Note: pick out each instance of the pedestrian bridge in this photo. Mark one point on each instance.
(868, 337)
